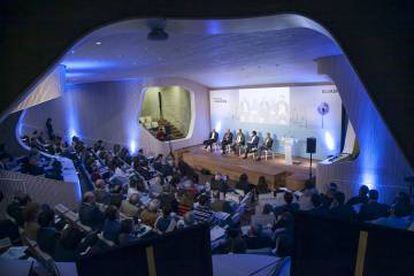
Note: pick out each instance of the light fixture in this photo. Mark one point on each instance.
(98, 43)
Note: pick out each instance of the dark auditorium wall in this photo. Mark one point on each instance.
(110, 111)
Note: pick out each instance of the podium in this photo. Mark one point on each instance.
(288, 144)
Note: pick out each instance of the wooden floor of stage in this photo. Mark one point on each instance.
(276, 172)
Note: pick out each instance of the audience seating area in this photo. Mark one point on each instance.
(130, 197)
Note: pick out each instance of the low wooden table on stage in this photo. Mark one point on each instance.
(276, 172)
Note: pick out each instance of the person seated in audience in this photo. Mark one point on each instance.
(185, 201)
(156, 164)
(213, 138)
(126, 236)
(243, 184)
(116, 196)
(328, 197)
(400, 217)
(156, 185)
(202, 210)
(47, 235)
(235, 243)
(239, 143)
(67, 246)
(55, 172)
(161, 135)
(289, 206)
(89, 213)
(224, 185)
(16, 207)
(141, 156)
(361, 198)
(101, 192)
(216, 181)
(227, 140)
(130, 207)
(283, 235)
(341, 211)
(267, 145)
(252, 144)
(318, 209)
(166, 169)
(150, 214)
(257, 238)
(49, 128)
(30, 217)
(165, 223)
(112, 225)
(31, 164)
(187, 220)
(261, 187)
(373, 209)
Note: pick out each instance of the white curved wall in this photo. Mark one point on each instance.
(110, 111)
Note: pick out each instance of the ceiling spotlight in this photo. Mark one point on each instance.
(98, 43)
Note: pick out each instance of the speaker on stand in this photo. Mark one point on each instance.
(311, 149)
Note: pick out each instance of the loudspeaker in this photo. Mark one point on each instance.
(311, 145)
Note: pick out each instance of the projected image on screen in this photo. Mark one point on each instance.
(264, 105)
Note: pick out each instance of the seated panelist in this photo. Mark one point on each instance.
(252, 144)
(213, 138)
(240, 141)
(227, 140)
(267, 144)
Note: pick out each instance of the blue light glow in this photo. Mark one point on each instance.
(132, 147)
(85, 64)
(214, 27)
(368, 179)
(329, 141)
(218, 126)
(71, 117)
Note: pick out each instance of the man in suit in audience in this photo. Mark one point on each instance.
(373, 209)
(267, 145)
(227, 140)
(89, 213)
(252, 144)
(240, 141)
(213, 138)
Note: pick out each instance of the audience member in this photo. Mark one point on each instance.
(47, 235)
(361, 198)
(112, 225)
(89, 213)
(261, 187)
(126, 236)
(30, 217)
(130, 207)
(165, 222)
(373, 209)
(243, 183)
(341, 211)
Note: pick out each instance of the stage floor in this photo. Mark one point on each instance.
(276, 172)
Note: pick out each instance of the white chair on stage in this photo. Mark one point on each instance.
(269, 152)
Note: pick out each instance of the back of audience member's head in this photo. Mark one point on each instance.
(31, 212)
(333, 187)
(166, 210)
(89, 197)
(46, 218)
(134, 199)
(154, 205)
(111, 212)
(339, 198)
(22, 198)
(309, 184)
(363, 191)
(262, 181)
(401, 210)
(100, 184)
(373, 195)
(127, 226)
(189, 218)
(243, 177)
(203, 200)
(288, 197)
(316, 200)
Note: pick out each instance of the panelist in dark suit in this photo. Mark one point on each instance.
(267, 144)
(213, 138)
(240, 141)
(227, 140)
(252, 144)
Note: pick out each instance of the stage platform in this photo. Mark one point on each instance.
(274, 170)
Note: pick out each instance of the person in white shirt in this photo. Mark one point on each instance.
(240, 141)
(252, 144)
